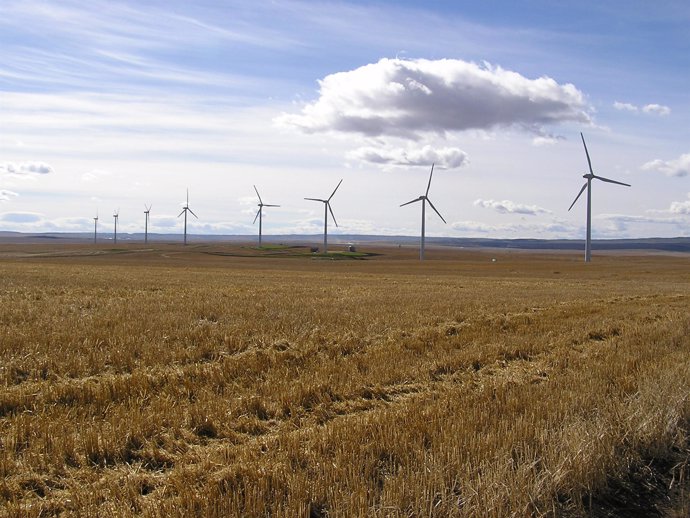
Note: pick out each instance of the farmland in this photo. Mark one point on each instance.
(216, 380)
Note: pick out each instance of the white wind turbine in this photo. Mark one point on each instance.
(588, 185)
(259, 213)
(424, 199)
(326, 209)
(115, 217)
(146, 223)
(186, 209)
(95, 228)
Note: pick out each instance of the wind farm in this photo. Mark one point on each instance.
(363, 367)
(242, 353)
(326, 359)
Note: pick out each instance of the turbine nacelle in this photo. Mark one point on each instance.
(261, 205)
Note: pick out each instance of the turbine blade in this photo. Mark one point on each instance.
(187, 195)
(257, 216)
(316, 199)
(429, 184)
(587, 153)
(437, 212)
(257, 193)
(265, 205)
(412, 201)
(336, 188)
(180, 214)
(611, 181)
(190, 210)
(578, 196)
(331, 211)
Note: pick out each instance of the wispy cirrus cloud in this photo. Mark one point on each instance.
(410, 98)
(509, 207)
(678, 167)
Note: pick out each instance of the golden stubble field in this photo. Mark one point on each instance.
(201, 381)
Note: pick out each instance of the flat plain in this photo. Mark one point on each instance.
(218, 380)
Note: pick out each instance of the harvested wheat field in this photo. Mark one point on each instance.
(218, 381)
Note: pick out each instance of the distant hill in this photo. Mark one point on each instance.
(675, 244)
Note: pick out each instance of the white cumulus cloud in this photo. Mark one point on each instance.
(656, 109)
(650, 109)
(680, 207)
(509, 207)
(678, 167)
(546, 140)
(625, 107)
(447, 157)
(410, 98)
(6, 195)
(25, 168)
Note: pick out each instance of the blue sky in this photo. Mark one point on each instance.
(111, 105)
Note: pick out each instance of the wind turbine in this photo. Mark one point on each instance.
(424, 199)
(186, 209)
(326, 209)
(95, 228)
(115, 217)
(588, 185)
(146, 224)
(260, 212)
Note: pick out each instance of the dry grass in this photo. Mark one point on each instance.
(174, 382)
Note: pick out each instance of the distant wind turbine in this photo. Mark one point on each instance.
(146, 223)
(588, 185)
(186, 209)
(326, 209)
(259, 213)
(95, 228)
(424, 199)
(115, 217)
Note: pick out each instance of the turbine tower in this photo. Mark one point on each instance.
(95, 228)
(115, 217)
(260, 211)
(424, 199)
(326, 209)
(588, 185)
(185, 210)
(146, 223)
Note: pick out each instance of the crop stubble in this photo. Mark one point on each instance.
(174, 382)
